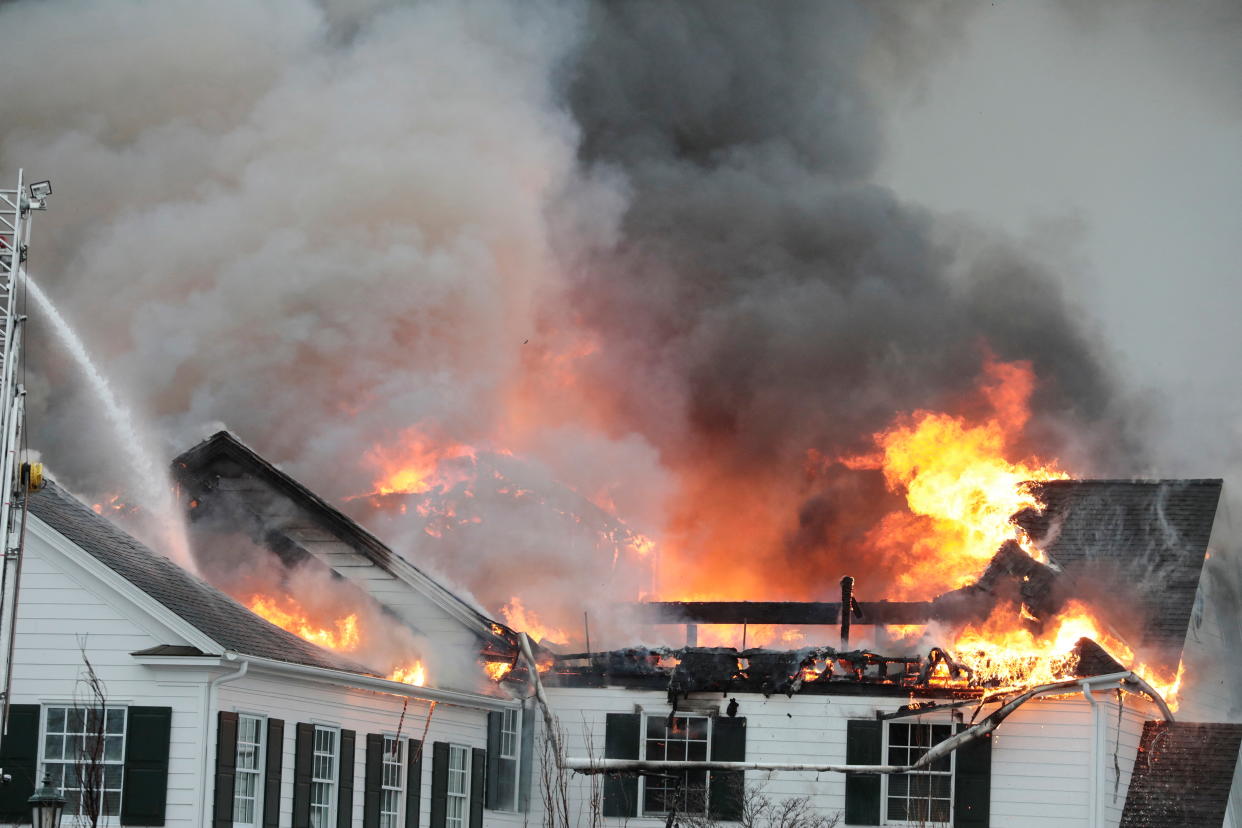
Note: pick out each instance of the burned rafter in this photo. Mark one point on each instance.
(1011, 575)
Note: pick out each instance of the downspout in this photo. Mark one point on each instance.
(1097, 756)
(208, 706)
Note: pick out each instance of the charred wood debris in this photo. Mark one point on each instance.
(1012, 576)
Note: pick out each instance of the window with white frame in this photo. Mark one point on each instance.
(83, 753)
(392, 782)
(676, 739)
(323, 777)
(458, 805)
(248, 782)
(922, 797)
(507, 747)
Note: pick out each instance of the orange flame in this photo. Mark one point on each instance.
(414, 673)
(519, 618)
(959, 488)
(1004, 650)
(415, 464)
(497, 670)
(342, 634)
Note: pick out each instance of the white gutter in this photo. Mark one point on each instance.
(208, 708)
(342, 678)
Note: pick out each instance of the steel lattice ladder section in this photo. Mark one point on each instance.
(14, 230)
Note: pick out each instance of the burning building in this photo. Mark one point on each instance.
(339, 683)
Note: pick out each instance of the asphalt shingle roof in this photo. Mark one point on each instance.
(215, 614)
(1137, 544)
(1182, 775)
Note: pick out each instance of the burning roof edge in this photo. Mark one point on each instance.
(222, 620)
(225, 444)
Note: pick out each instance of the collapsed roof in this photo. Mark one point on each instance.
(1133, 549)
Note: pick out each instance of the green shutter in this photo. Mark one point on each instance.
(527, 762)
(495, 721)
(345, 779)
(303, 757)
(439, 784)
(726, 789)
(226, 769)
(622, 732)
(972, 782)
(863, 746)
(273, 772)
(414, 784)
(19, 758)
(144, 793)
(478, 784)
(372, 784)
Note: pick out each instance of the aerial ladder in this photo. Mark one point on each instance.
(17, 478)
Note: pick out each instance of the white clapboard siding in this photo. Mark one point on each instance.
(412, 605)
(65, 608)
(363, 712)
(1041, 755)
(62, 611)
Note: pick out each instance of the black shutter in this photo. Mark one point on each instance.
(622, 732)
(527, 760)
(19, 758)
(144, 792)
(303, 758)
(226, 769)
(972, 797)
(345, 780)
(478, 784)
(439, 784)
(372, 784)
(863, 746)
(414, 784)
(495, 721)
(727, 788)
(273, 772)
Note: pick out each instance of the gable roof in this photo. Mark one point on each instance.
(1182, 774)
(195, 467)
(204, 607)
(1139, 544)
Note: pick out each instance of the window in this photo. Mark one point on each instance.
(458, 809)
(676, 739)
(248, 783)
(392, 782)
(84, 754)
(504, 746)
(923, 797)
(323, 778)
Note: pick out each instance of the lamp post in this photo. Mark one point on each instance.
(46, 806)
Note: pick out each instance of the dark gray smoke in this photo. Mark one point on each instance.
(762, 296)
(638, 244)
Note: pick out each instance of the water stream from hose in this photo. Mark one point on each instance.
(150, 481)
